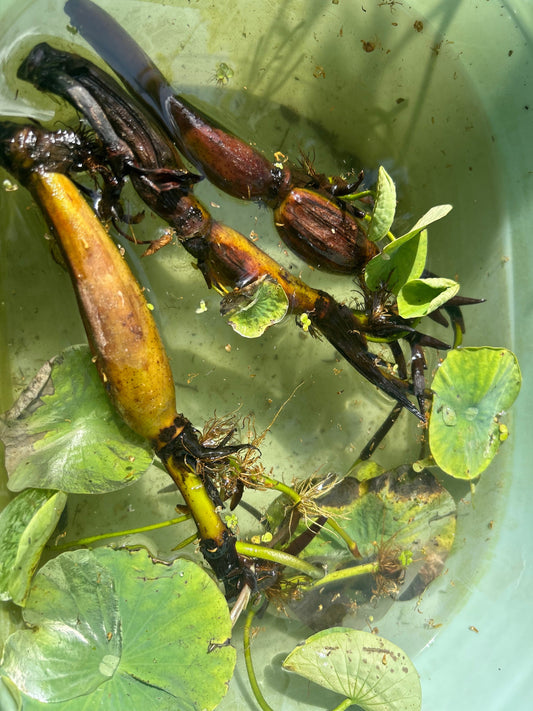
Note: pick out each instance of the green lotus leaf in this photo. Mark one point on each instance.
(399, 262)
(420, 297)
(368, 470)
(404, 258)
(384, 206)
(75, 638)
(432, 215)
(26, 524)
(472, 388)
(412, 511)
(9, 696)
(113, 630)
(67, 435)
(255, 307)
(366, 669)
(406, 520)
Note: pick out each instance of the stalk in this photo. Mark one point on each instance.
(131, 358)
(341, 575)
(128, 350)
(253, 550)
(128, 532)
(298, 501)
(249, 664)
(344, 705)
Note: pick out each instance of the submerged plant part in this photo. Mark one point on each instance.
(134, 146)
(223, 74)
(109, 644)
(366, 669)
(127, 347)
(230, 262)
(312, 222)
(332, 550)
(404, 525)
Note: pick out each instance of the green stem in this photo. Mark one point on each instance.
(295, 496)
(251, 550)
(185, 543)
(249, 665)
(358, 196)
(344, 574)
(344, 705)
(352, 545)
(281, 487)
(128, 532)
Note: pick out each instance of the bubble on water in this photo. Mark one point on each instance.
(108, 665)
(449, 416)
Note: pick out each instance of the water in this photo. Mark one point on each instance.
(409, 105)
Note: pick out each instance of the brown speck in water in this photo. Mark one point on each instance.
(473, 629)
(509, 53)
(400, 100)
(368, 46)
(389, 3)
(320, 72)
(418, 25)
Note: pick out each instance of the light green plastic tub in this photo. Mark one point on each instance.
(440, 92)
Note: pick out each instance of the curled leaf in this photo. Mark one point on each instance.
(384, 206)
(399, 262)
(403, 260)
(26, 523)
(420, 297)
(432, 215)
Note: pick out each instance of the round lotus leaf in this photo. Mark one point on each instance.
(366, 669)
(472, 388)
(114, 629)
